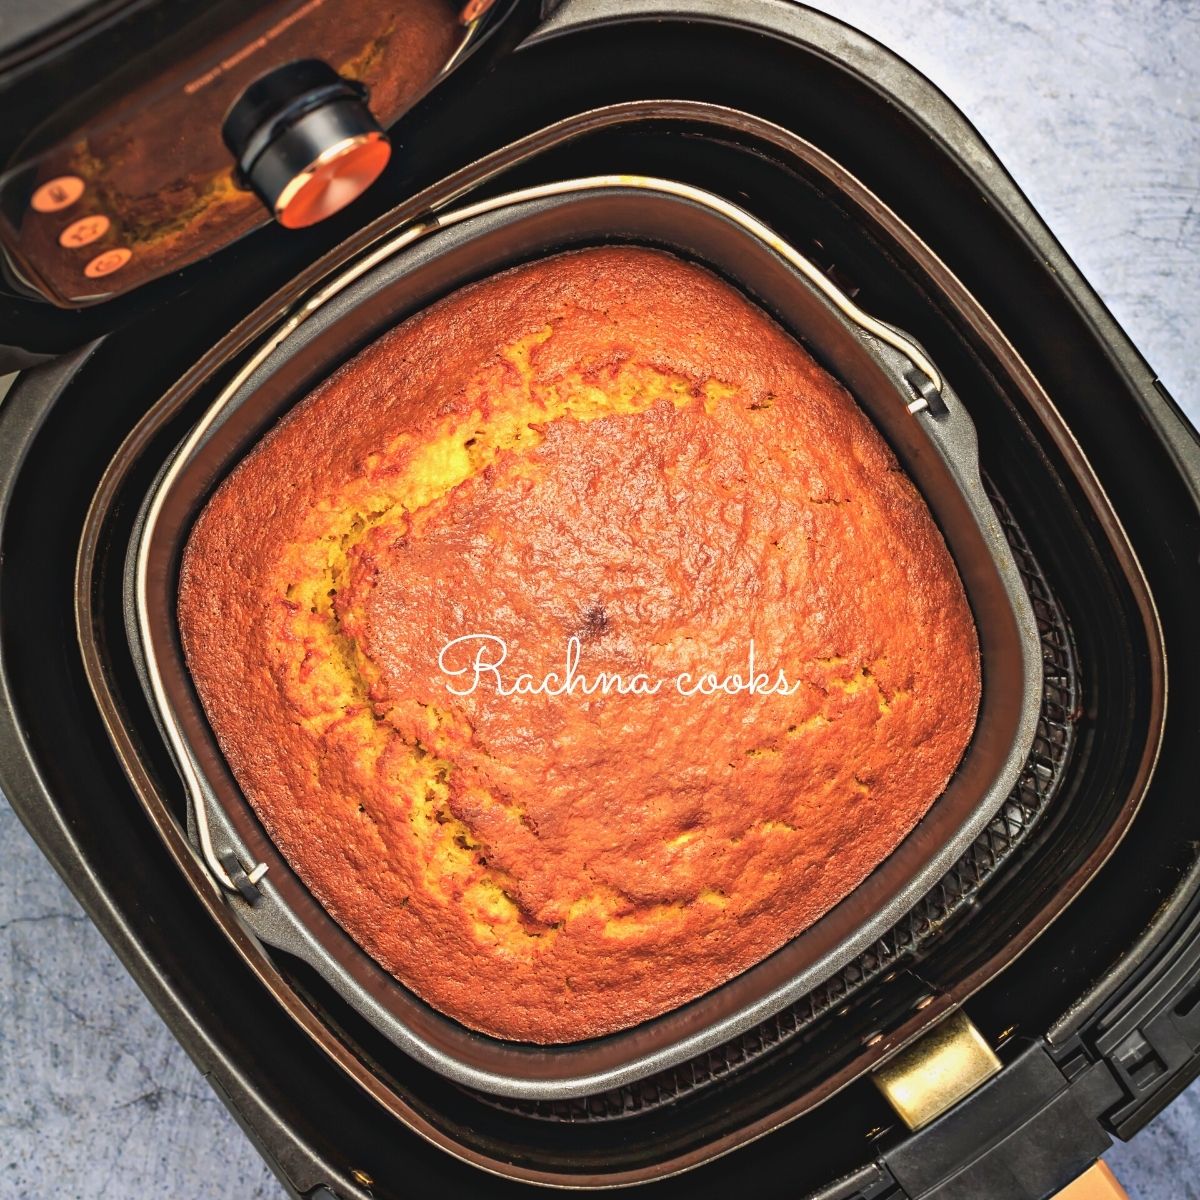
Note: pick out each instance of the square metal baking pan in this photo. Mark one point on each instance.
(892, 379)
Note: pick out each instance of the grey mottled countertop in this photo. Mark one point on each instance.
(1094, 106)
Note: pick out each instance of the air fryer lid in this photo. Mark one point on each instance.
(117, 186)
(934, 439)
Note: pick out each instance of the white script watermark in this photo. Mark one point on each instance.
(473, 662)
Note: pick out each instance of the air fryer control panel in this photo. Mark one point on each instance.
(145, 184)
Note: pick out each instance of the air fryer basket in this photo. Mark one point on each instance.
(938, 258)
(889, 375)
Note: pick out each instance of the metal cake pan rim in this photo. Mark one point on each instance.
(747, 1016)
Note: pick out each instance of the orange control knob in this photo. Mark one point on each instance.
(305, 141)
(341, 174)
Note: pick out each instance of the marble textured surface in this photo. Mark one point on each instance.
(1094, 105)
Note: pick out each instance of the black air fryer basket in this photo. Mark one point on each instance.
(1050, 897)
(937, 444)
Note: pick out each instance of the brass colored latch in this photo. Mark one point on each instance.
(936, 1072)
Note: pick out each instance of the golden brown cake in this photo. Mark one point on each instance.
(611, 451)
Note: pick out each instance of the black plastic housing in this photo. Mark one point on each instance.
(1121, 961)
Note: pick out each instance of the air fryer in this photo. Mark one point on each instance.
(1057, 937)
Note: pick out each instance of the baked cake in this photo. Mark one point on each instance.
(612, 454)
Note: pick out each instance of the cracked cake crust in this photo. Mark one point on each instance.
(610, 445)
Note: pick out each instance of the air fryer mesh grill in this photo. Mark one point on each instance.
(1035, 790)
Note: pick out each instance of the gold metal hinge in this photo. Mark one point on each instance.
(936, 1072)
